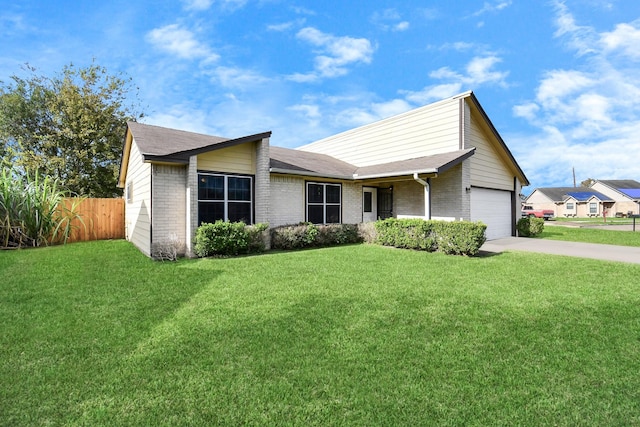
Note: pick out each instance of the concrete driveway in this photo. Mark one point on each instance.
(555, 247)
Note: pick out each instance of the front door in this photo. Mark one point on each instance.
(385, 202)
(369, 204)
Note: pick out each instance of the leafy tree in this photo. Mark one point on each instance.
(69, 127)
(587, 182)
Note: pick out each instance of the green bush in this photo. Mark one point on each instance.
(225, 238)
(306, 235)
(456, 238)
(460, 237)
(530, 227)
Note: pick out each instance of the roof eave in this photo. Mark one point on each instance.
(310, 173)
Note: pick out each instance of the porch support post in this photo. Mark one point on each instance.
(427, 196)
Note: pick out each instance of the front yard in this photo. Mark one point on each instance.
(96, 334)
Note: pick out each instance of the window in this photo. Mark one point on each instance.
(367, 202)
(593, 208)
(129, 192)
(569, 206)
(323, 203)
(225, 197)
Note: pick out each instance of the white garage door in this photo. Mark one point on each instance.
(493, 207)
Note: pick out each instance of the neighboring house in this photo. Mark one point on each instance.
(626, 194)
(610, 197)
(441, 161)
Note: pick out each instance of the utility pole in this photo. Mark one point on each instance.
(574, 177)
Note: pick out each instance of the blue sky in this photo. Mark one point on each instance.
(559, 79)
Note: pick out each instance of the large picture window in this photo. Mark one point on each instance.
(225, 197)
(324, 203)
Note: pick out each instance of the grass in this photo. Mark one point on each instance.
(96, 334)
(591, 235)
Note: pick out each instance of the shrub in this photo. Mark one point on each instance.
(337, 234)
(367, 232)
(258, 237)
(168, 249)
(221, 238)
(460, 237)
(530, 227)
(305, 235)
(456, 238)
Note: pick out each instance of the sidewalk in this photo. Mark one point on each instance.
(555, 247)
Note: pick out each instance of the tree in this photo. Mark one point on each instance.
(69, 127)
(587, 182)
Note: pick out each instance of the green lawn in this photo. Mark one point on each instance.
(96, 334)
(592, 235)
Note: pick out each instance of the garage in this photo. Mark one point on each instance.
(493, 207)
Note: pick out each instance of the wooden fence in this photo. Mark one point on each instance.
(102, 219)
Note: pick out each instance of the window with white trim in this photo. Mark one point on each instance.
(225, 197)
(593, 208)
(324, 203)
(569, 206)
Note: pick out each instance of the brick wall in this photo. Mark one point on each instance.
(263, 182)
(351, 203)
(449, 198)
(168, 218)
(287, 200)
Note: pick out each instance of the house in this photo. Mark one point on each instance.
(604, 197)
(444, 161)
(626, 194)
(570, 201)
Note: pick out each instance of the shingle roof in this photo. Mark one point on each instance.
(621, 183)
(436, 163)
(160, 141)
(286, 160)
(557, 194)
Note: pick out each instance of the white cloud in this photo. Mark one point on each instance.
(206, 4)
(334, 54)
(588, 116)
(478, 71)
(389, 20)
(493, 7)
(238, 78)
(180, 42)
(625, 38)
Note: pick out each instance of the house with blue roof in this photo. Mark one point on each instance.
(604, 197)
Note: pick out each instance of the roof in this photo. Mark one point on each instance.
(172, 145)
(438, 163)
(557, 194)
(298, 162)
(628, 187)
(583, 196)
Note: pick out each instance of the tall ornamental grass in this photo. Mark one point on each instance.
(32, 211)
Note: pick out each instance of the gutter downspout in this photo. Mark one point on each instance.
(427, 204)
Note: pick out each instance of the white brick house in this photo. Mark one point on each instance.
(441, 161)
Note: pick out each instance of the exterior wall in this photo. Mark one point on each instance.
(138, 208)
(262, 198)
(408, 199)
(236, 159)
(538, 197)
(191, 203)
(488, 168)
(449, 198)
(287, 200)
(169, 210)
(425, 131)
(351, 203)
